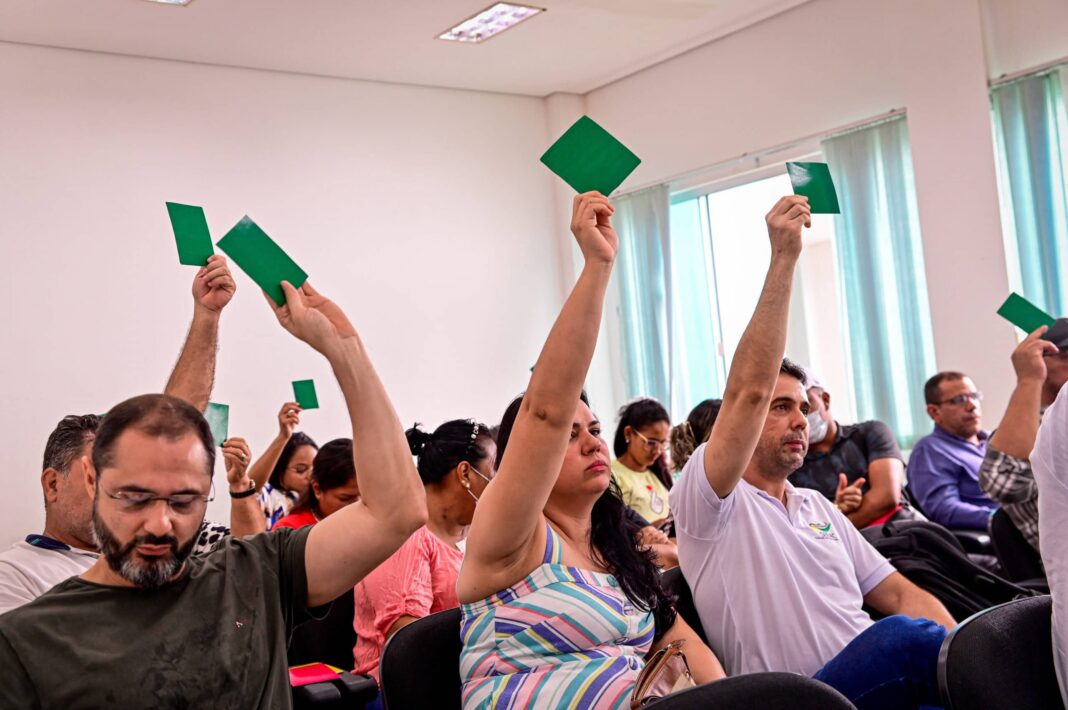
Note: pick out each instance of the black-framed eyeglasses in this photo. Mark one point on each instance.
(651, 444)
(961, 399)
(179, 503)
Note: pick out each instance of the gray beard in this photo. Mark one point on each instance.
(141, 573)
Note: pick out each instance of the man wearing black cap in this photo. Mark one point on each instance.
(1041, 364)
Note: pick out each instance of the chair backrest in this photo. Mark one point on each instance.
(675, 584)
(420, 666)
(767, 691)
(1020, 561)
(1001, 659)
(328, 640)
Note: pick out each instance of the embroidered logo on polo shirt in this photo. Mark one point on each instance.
(823, 531)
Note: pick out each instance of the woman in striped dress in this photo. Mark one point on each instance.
(560, 607)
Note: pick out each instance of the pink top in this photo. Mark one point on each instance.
(419, 579)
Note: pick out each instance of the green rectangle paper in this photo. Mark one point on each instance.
(262, 259)
(589, 158)
(304, 393)
(813, 180)
(218, 416)
(191, 233)
(1023, 314)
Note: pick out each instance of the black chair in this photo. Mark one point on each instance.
(974, 542)
(1001, 659)
(326, 639)
(348, 692)
(420, 666)
(1019, 560)
(767, 691)
(675, 584)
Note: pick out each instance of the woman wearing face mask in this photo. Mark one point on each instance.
(283, 472)
(333, 486)
(456, 464)
(560, 607)
(641, 437)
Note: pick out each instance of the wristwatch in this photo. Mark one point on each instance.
(251, 490)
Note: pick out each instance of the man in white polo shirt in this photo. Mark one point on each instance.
(779, 576)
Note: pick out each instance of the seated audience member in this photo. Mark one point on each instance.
(455, 463)
(1041, 364)
(944, 465)
(181, 631)
(693, 432)
(284, 470)
(549, 535)
(66, 547)
(333, 486)
(857, 466)
(779, 576)
(641, 436)
(1049, 461)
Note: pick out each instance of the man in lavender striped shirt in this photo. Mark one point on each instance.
(943, 470)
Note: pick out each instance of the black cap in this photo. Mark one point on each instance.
(1058, 333)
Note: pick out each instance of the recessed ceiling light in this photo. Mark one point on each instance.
(491, 21)
(173, 2)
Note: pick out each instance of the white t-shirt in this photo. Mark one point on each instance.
(777, 588)
(27, 571)
(1049, 461)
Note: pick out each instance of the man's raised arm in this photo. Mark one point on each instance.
(757, 360)
(194, 373)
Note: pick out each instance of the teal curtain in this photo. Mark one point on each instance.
(1031, 130)
(881, 275)
(642, 222)
(697, 366)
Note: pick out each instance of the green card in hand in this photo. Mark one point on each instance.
(218, 416)
(589, 158)
(191, 233)
(262, 259)
(304, 393)
(1023, 314)
(813, 180)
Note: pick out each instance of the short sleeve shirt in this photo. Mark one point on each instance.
(778, 588)
(642, 491)
(854, 450)
(417, 580)
(214, 638)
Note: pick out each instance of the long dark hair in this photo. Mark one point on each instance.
(639, 413)
(297, 440)
(333, 468)
(614, 539)
(450, 444)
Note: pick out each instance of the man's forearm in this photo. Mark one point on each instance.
(1019, 427)
(246, 516)
(758, 356)
(194, 373)
(919, 604)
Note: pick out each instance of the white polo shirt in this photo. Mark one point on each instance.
(1049, 461)
(27, 571)
(777, 588)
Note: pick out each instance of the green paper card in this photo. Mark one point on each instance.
(191, 233)
(1023, 314)
(304, 393)
(218, 416)
(262, 259)
(813, 180)
(589, 158)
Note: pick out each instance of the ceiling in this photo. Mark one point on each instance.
(576, 46)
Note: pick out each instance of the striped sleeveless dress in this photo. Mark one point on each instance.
(564, 638)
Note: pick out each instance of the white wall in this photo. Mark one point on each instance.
(424, 212)
(829, 63)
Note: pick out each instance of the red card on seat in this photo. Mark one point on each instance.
(312, 673)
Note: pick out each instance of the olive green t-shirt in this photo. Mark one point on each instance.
(214, 638)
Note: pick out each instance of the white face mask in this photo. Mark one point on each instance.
(817, 428)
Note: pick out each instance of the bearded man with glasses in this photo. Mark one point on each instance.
(943, 471)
